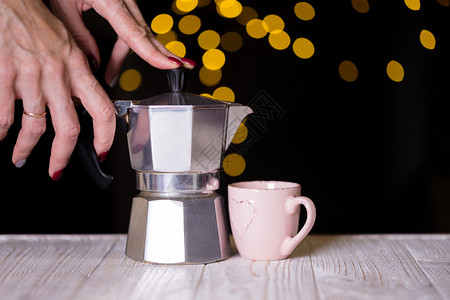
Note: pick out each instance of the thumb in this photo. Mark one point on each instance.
(70, 15)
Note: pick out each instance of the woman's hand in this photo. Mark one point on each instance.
(41, 64)
(130, 26)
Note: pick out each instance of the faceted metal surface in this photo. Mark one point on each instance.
(178, 228)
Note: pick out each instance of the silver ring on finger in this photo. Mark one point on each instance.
(42, 115)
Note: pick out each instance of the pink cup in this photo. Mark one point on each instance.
(264, 217)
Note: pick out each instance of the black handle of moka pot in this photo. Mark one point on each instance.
(86, 151)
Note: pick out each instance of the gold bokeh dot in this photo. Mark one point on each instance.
(162, 23)
(229, 8)
(177, 48)
(203, 3)
(304, 11)
(189, 24)
(444, 2)
(303, 48)
(413, 4)
(395, 71)
(208, 39)
(167, 37)
(210, 77)
(257, 28)
(247, 14)
(240, 135)
(427, 39)
(279, 39)
(361, 6)
(224, 93)
(213, 59)
(273, 23)
(186, 5)
(348, 71)
(231, 41)
(130, 80)
(233, 164)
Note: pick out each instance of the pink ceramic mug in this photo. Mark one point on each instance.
(264, 217)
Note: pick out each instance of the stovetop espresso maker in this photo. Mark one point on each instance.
(176, 143)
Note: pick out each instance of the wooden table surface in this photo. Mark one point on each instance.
(322, 267)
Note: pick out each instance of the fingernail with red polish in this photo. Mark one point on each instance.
(188, 61)
(57, 175)
(92, 63)
(102, 156)
(175, 61)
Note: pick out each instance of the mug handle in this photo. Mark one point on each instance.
(289, 243)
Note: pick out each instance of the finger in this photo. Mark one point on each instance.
(134, 34)
(64, 118)
(96, 102)
(70, 14)
(28, 87)
(118, 55)
(6, 100)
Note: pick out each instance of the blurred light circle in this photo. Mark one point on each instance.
(231, 41)
(130, 80)
(167, 37)
(241, 134)
(210, 77)
(395, 71)
(233, 164)
(224, 93)
(257, 28)
(427, 39)
(413, 4)
(304, 11)
(186, 5)
(213, 59)
(162, 23)
(303, 48)
(348, 71)
(208, 39)
(230, 8)
(279, 39)
(273, 23)
(177, 48)
(189, 24)
(361, 6)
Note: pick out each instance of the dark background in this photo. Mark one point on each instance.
(373, 154)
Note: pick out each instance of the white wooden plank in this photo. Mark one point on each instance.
(48, 267)
(238, 278)
(368, 267)
(433, 256)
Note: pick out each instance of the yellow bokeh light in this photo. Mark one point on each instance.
(233, 164)
(444, 2)
(395, 71)
(186, 5)
(189, 24)
(279, 39)
(231, 41)
(241, 134)
(162, 23)
(246, 15)
(177, 48)
(304, 11)
(257, 28)
(130, 80)
(206, 95)
(229, 8)
(348, 71)
(273, 23)
(413, 4)
(303, 48)
(427, 39)
(224, 93)
(213, 59)
(208, 39)
(210, 77)
(167, 37)
(361, 6)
